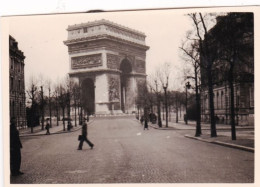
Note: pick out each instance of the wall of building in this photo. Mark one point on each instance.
(16, 84)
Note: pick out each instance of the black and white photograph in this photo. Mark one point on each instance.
(130, 97)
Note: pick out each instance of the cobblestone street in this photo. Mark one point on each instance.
(125, 153)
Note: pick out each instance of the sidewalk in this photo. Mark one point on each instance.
(244, 134)
(37, 131)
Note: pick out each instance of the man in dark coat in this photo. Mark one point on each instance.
(47, 127)
(84, 136)
(15, 150)
(146, 123)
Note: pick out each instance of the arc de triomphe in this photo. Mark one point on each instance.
(107, 60)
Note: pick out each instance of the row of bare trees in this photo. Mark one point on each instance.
(46, 99)
(227, 44)
(156, 94)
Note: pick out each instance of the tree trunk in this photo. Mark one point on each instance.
(50, 113)
(75, 106)
(177, 111)
(232, 109)
(63, 116)
(42, 118)
(31, 118)
(159, 120)
(163, 112)
(57, 112)
(169, 111)
(177, 118)
(166, 108)
(180, 111)
(211, 104)
(198, 125)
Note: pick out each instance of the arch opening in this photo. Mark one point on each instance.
(125, 68)
(88, 96)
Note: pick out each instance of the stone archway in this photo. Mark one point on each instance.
(88, 96)
(114, 59)
(126, 69)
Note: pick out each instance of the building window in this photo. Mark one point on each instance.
(11, 109)
(20, 109)
(251, 96)
(217, 100)
(19, 85)
(206, 101)
(19, 66)
(237, 102)
(221, 100)
(12, 63)
(85, 30)
(12, 83)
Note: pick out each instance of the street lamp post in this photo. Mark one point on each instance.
(187, 86)
(166, 107)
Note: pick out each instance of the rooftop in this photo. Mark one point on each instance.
(103, 22)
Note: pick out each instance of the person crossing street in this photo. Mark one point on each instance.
(84, 136)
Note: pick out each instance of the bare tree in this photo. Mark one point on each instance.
(76, 99)
(70, 84)
(153, 83)
(56, 95)
(32, 93)
(192, 56)
(208, 57)
(62, 98)
(164, 79)
(50, 101)
(176, 99)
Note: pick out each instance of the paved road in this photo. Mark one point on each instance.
(125, 153)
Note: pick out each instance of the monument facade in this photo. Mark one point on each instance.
(107, 60)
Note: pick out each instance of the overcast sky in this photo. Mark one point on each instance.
(41, 39)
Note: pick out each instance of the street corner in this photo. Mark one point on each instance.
(205, 139)
(223, 141)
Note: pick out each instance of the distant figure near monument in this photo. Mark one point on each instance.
(107, 60)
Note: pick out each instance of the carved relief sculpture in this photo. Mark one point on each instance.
(140, 66)
(86, 61)
(114, 89)
(113, 61)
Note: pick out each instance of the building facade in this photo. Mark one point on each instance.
(16, 83)
(108, 61)
(243, 71)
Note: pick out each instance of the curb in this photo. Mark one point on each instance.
(249, 149)
(58, 132)
(167, 128)
(240, 147)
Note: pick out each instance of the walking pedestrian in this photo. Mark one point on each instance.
(47, 127)
(142, 119)
(84, 136)
(15, 150)
(146, 123)
(69, 126)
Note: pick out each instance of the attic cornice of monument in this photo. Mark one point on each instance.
(105, 70)
(103, 36)
(104, 22)
(95, 71)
